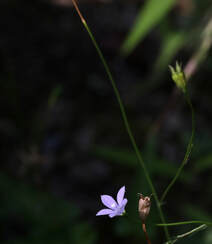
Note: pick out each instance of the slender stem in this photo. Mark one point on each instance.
(188, 150)
(124, 116)
(145, 232)
(199, 228)
(186, 223)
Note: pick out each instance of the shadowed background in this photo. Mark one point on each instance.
(63, 141)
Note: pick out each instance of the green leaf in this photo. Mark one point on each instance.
(149, 16)
(128, 159)
(171, 44)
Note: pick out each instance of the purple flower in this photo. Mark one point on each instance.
(114, 208)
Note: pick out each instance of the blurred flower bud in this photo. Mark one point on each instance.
(178, 77)
(144, 207)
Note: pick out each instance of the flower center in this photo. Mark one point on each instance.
(113, 205)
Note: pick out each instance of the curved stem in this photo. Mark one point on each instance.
(124, 116)
(188, 150)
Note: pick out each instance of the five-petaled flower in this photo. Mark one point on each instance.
(114, 208)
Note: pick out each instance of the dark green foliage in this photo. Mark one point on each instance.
(31, 216)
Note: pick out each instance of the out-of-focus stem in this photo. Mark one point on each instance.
(201, 52)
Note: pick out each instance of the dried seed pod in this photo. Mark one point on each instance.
(144, 205)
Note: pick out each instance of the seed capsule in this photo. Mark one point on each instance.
(144, 205)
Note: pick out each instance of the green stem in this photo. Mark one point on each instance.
(199, 228)
(124, 116)
(186, 223)
(188, 150)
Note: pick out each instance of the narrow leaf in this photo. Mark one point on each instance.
(149, 16)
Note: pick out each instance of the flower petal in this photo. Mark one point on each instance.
(124, 202)
(105, 211)
(121, 209)
(120, 195)
(112, 214)
(108, 201)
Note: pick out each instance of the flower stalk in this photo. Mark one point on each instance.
(145, 232)
(179, 78)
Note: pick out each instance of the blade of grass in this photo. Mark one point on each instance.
(171, 44)
(186, 223)
(148, 17)
(124, 116)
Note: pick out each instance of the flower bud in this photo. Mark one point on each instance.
(178, 77)
(144, 207)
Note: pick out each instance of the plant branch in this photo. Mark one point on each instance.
(188, 150)
(199, 228)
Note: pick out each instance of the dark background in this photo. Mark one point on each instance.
(63, 141)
